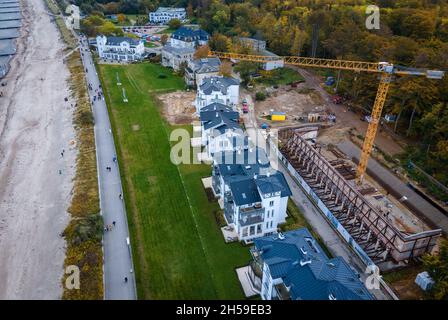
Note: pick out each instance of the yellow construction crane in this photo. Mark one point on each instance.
(385, 69)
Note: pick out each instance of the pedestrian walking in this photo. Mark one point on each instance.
(120, 196)
(114, 158)
(125, 279)
(113, 223)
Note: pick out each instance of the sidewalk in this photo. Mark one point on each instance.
(116, 244)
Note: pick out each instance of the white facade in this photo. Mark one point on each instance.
(255, 219)
(178, 43)
(120, 48)
(272, 65)
(175, 57)
(225, 93)
(163, 15)
(221, 142)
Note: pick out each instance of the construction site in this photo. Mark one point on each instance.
(377, 226)
(382, 220)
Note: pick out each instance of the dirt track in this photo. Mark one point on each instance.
(35, 126)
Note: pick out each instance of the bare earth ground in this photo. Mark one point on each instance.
(35, 126)
(178, 107)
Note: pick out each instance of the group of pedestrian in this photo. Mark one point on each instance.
(108, 168)
(62, 153)
(109, 227)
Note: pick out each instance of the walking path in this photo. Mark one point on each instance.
(116, 243)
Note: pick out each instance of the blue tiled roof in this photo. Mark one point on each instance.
(273, 184)
(188, 34)
(307, 271)
(244, 192)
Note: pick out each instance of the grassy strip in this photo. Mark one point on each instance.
(178, 248)
(84, 232)
(66, 34)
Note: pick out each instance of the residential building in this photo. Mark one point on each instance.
(163, 15)
(254, 196)
(221, 131)
(259, 46)
(199, 69)
(182, 46)
(120, 48)
(222, 90)
(176, 57)
(294, 267)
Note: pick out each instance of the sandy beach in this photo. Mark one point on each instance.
(35, 179)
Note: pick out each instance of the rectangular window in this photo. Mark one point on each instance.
(252, 230)
(267, 225)
(271, 204)
(271, 224)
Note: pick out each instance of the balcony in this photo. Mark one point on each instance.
(252, 215)
(216, 185)
(229, 209)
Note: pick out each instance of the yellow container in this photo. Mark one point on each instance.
(278, 117)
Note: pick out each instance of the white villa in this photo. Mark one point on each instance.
(221, 131)
(163, 15)
(182, 46)
(259, 46)
(217, 89)
(293, 266)
(254, 196)
(120, 48)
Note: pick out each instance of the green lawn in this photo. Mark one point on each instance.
(179, 252)
(166, 31)
(280, 76)
(150, 45)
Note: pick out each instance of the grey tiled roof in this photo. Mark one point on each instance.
(174, 50)
(217, 84)
(116, 41)
(206, 65)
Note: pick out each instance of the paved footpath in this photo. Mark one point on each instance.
(117, 251)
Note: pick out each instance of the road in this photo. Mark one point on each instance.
(334, 243)
(117, 253)
(431, 213)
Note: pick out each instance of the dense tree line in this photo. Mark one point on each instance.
(412, 33)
